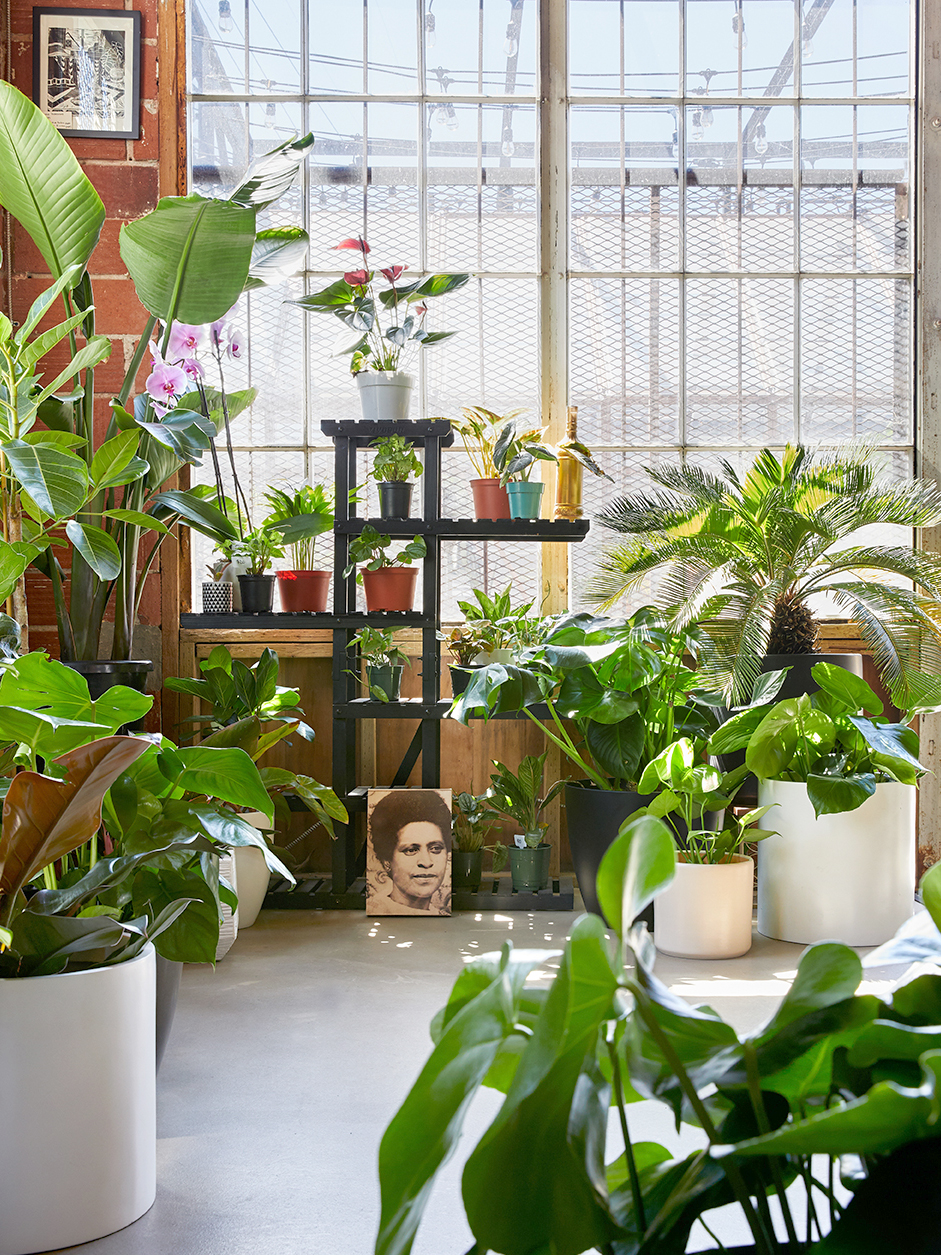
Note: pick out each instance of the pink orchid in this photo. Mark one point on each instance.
(357, 278)
(217, 331)
(192, 368)
(165, 385)
(393, 272)
(235, 344)
(185, 340)
(359, 245)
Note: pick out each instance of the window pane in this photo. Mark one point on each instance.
(743, 48)
(624, 47)
(485, 48)
(392, 43)
(856, 48)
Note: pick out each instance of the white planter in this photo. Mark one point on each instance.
(230, 921)
(252, 872)
(385, 395)
(78, 1132)
(706, 912)
(847, 877)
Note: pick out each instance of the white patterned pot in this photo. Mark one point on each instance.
(706, 911)
(78, 1124)
(847, 877)
(385, 395)
(217, 598)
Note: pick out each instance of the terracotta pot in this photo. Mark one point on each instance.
(490, 500)
(304, 590)
(390, 588)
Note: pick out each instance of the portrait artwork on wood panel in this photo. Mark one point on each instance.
(408, 855)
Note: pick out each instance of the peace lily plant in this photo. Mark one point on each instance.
(190, 259)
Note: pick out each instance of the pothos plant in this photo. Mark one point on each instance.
(837, 1092)
(189, 259)
(385, 326)
(369, 548)
(395, 461)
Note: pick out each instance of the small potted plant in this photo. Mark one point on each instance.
(217, 592)
(297, 518)
(469, 827)
(395, 461)
(519, 796)
(516, 452)
(706, 912)
(381, 348)
(257, 587)
(384, 662)
(479, 430)
(496, 622)
(388, 582)
(464, 643)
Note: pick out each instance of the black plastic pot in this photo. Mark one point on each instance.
(529, 868)
(168, 988)
(257, 593)
(460, 678)
(395, 501)
(594, 817)
(102, 675)
(467, 869)
(389, 679)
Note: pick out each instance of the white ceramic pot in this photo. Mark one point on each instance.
(385, 395)
(252, 872)
(78, 1124)
(706, 912)
(847, 877)
(229, 923)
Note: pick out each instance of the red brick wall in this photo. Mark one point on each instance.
(125, 173)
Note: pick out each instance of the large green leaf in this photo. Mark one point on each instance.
(278, 253)
(852, 690)
(44, 187)
(200, 515)
(617, 747)
(424, 1132)
(194, 935)
(272, 174)
(517, 1201)
(56, 480)
(189, 257)
(14, 559)
(96, 547)
(639, 864)
(228, 774)
(827, 973)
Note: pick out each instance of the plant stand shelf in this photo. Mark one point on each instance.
(497, 894)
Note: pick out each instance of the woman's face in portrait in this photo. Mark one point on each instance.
(418, 864)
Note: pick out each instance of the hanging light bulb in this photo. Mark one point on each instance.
(738, 30)
(225, 16)
(440, 115)
(270, 110)
(807, 46)
(509, 148)
(675, 145)
(511, 45)
(696, 123)
(707, 116)
(452, 122)
(430, 37)
(761, 140)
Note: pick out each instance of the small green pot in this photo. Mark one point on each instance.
(529, 868)
(389, 679)
(525, 500)
(467, 869)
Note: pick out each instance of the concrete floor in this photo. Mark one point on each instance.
(288, 1060)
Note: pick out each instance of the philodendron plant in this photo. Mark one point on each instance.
(702, 797)
(837, 741)
(370, 548)
(190, 260)
(837, 1093)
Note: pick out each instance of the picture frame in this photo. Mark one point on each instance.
(408, 852)
(86, 71)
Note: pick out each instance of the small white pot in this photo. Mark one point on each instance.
(385, 395)
(847, 877)
(706, 912)
(78, 1122)
(252, 872)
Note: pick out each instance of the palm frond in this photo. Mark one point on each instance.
(902, 628)
(918, 565)
(624, 566)
(691, 481)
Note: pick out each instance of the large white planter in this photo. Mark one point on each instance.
(385, 395)
(847, 877)
(78, 1130)
(252, 873)
(706, 912)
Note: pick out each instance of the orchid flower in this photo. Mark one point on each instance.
(185, 340)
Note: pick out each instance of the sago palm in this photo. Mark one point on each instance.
(744, 555)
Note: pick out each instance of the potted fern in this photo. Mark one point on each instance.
(746, 555)
(519, 796)
(298, 517)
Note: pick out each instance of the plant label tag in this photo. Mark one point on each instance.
(520, 840)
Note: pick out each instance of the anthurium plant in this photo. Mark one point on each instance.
(190, 260)
(837, 741)
(385, 326)
(470, 824)
(836, 1093)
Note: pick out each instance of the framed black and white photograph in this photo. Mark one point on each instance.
(86, 71)
(408, 856)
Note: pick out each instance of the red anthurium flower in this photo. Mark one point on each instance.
(393, 272)
(359, 245)
(357, 278)
(421, 310)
